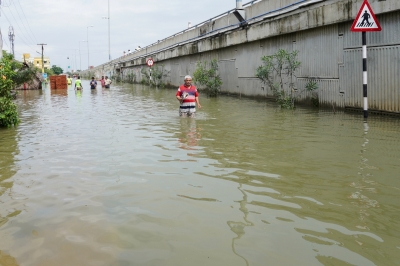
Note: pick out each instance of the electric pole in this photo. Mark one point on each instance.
(42, 44)
(11, 37)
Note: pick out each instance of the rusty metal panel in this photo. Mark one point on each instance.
(388, 36)
(320, 52)
(383, 78)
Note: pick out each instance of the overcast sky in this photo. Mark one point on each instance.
(62, 24)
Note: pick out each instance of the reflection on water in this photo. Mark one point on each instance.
(119, 178)
(190, 134)
(8, 149)
(238, 227)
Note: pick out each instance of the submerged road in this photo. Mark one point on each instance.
(115, 177)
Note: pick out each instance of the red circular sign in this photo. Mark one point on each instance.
(150, 62)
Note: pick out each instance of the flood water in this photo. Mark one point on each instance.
(115, 177)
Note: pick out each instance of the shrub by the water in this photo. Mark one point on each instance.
(154, 76)
(206, 75)
(8, 109)
(278, 73)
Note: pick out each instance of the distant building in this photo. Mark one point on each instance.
(37, 61)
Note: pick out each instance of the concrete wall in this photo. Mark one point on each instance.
(318, 29)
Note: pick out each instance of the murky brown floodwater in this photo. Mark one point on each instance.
(115, 177)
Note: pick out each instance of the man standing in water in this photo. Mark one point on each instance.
(78, 83)
(69, 80)
(187, 96)
(107, 82)
(103, 81)
(93, 84)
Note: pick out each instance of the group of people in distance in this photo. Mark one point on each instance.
(187, 94)
(105, 82)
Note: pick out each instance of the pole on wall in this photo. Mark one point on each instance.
(365, 73)
(365, 21)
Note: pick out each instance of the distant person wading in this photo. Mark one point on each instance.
(103, 82)
(107, 82)
(188, 96)
(93, 84)
(78, 83)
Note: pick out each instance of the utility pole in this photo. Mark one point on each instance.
(75, 66)
(11, 37)
(109, 46)
(42, 44)
(91, 26)
(80, 58)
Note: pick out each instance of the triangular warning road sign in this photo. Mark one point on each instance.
(366, 19)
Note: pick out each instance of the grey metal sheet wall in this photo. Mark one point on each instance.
(328, 91)
(229, 76)
(352, 82)
(383, 78)
(320, 52)
(175, 73)
(253, 86)
(271, 45)
(248, 58)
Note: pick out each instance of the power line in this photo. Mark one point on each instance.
(4, 42)
(27, 21)
(23, 24)
(5, 4)
(16, 21)
(27, 45)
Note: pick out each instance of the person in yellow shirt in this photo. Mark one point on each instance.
(69, 80)
(78, 83)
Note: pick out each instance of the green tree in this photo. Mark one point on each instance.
(154, 76)
(57, 70)
(130, 77)
(49, 72)
(22, 71)
(206, 75)
(278, 73)
(8, 109)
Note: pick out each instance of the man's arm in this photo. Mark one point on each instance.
(198, 102)
(178, 96)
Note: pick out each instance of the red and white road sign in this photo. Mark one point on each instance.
(366, 19)
(150, 62)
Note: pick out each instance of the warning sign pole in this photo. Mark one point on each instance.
(365, 21)
(365, 73)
